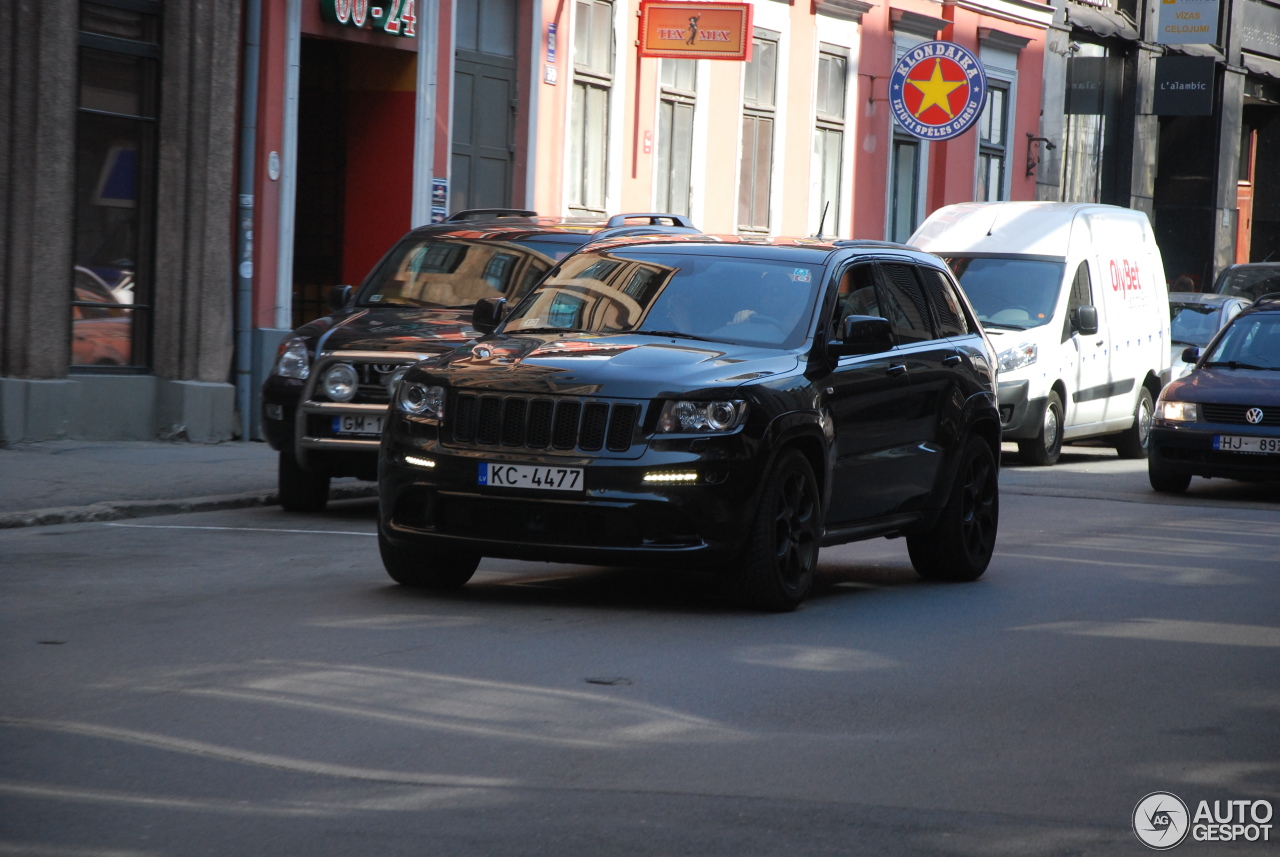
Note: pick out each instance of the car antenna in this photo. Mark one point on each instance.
(822, 221)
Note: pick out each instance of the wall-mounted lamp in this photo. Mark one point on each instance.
(1033, 153)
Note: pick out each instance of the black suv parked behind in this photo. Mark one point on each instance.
(725, 403)
(324, 401)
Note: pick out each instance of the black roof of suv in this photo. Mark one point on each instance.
(717, 402)
(324, 400)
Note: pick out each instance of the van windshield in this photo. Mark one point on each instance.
(1009, 292)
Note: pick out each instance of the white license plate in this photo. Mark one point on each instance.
(525, 476)
(1239, 443)
(349, 424)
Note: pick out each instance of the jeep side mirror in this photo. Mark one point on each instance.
(863, 334)
(1084, 320)
(1190, 355)
(339, 297)
(488, 313)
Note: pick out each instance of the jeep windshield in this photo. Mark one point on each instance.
(744, 299)
(456, 271)
(1009, 292)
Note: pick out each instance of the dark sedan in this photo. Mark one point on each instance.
(1223, 419)
(1249, 280)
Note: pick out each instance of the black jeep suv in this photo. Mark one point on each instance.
(323, 403)
(725, 403)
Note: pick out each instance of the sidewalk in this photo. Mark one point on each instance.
(67, 481)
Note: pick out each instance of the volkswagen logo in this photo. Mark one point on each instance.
(1253, 415)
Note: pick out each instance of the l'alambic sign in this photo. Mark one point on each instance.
(701, 31)
(937, 90)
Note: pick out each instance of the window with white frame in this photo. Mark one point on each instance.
(904, 187)
(993, 145)
(678, 79)
(759, 116)
(828, 135)
(592, 82)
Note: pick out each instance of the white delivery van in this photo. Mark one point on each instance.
(1073, 297)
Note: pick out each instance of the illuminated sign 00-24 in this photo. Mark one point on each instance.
(395, 17)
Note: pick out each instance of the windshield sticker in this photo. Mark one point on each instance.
(373, 299)
(801, 275)
(531, 322)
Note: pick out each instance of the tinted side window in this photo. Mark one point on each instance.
(856, 295)
(947, 306)
(903, 303)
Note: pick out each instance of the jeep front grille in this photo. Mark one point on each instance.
(539, 422)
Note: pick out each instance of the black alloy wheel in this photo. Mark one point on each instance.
(426, 568)
(300, 490)
(1163, 478)
(960, 545)
(776, 567)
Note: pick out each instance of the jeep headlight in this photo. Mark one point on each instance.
(293, 360)
(680, 417)
(421, 400)
(1018, 356)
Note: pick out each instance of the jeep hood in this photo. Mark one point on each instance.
(626, 366)
(414, 330)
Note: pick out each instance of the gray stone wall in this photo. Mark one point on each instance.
(189, 395)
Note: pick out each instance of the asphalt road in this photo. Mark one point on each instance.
(249, 682)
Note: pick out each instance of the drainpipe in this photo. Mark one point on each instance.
(244, 237)
(424, 146)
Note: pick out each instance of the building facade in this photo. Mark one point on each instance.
(117, 162)
(186, 182)
(1184, 126)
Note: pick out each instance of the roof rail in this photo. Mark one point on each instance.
(654, 218)
(1269, 297)
(488, 213)
(641, 229)
(872, 243)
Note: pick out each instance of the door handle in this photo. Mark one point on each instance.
(953, 360)
(895, 371)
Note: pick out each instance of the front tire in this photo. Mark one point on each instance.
(1135, 442)
(426, 569)
(1044, 449)
(776, 567)
(1162, 478)
(300, 490)
(960, 544)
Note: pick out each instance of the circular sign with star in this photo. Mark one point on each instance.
(937, 90)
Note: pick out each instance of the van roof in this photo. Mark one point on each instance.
(1033, 228)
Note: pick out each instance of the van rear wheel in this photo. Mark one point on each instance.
(1135, 441)
(1044, 449)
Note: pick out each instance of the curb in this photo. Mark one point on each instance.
(123, 509)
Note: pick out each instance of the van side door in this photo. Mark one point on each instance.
(1087, 369)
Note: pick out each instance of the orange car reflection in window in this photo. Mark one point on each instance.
(101, 329)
